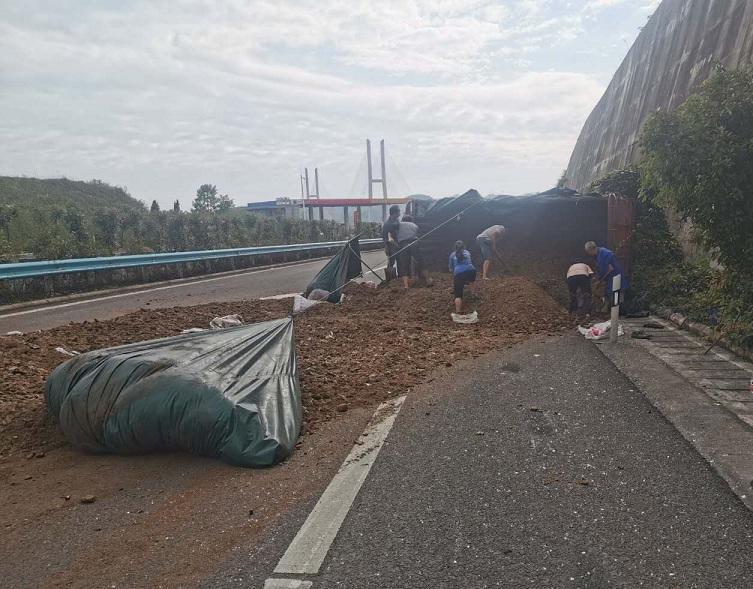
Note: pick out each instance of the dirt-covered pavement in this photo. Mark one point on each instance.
(177, 515)
(538, 466)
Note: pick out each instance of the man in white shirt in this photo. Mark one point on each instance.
(579, 281)
(487, 242)
(409, 250)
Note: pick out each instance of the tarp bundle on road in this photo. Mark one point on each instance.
(342, 267)
(231, 394)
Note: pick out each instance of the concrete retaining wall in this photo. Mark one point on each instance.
(674, 53)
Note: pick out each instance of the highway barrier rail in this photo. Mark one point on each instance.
(23, 270)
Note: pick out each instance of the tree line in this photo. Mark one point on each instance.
(72, 231)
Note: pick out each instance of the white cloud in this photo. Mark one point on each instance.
(164, 95)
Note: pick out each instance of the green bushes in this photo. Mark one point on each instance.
(64, 219)
(662, 276)
(698, 159)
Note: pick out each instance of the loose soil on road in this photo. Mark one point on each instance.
(377, 344)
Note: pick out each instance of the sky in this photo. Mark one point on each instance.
(162, 96)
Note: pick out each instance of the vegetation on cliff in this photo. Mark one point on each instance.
(698, 162)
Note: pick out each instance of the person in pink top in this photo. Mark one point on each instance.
(579, 282)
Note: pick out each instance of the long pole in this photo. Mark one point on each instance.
(455, 216)
(365, 264)
(316, 181)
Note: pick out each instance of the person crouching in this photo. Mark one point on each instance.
(579, 285)
(463, 272)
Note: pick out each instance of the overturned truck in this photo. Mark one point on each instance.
(545, 232)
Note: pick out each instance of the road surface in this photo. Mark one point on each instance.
(209, 289)
(537, 467)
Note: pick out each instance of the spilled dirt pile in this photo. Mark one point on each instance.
(377, 344)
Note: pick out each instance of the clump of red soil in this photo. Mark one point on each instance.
(379, 343)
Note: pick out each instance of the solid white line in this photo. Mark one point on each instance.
(279, 297)
(286, 584)
(374, 272)
(308, 549)
(148, 290)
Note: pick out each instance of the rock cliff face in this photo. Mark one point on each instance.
(673, 54)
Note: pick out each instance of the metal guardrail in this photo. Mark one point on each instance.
(48, 268)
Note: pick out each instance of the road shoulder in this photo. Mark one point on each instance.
(717, 433)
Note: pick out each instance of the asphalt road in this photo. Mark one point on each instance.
(246, 285)
(537, 467)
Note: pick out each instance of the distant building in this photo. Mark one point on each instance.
(280, 207)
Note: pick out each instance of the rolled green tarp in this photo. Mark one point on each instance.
(344, 266)
(232, 394)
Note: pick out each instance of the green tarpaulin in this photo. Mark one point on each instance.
(341, 268)
(231, 394)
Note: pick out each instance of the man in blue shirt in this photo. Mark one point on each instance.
(607, 266)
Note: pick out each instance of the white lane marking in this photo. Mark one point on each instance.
(148, 290)
(286, 584)
(375, 271)
(308, 549)
(279, 297)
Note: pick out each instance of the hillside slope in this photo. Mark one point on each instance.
(60, 192)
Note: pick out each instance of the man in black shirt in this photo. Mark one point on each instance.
(389, 236)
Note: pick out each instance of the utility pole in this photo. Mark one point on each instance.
(372, 180)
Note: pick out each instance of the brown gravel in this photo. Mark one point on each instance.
(378, 344)
(168, 520)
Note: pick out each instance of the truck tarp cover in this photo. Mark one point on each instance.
(231, 394)
(341, 268)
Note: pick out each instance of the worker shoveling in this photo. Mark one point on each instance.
(231, 393)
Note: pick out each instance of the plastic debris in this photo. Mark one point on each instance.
(599, 331)
(318, 294)
(67, 352)
(469, 318)
(300, 304)
(226, 321)
(15, 333)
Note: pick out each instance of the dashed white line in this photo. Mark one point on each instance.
(286, 584)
